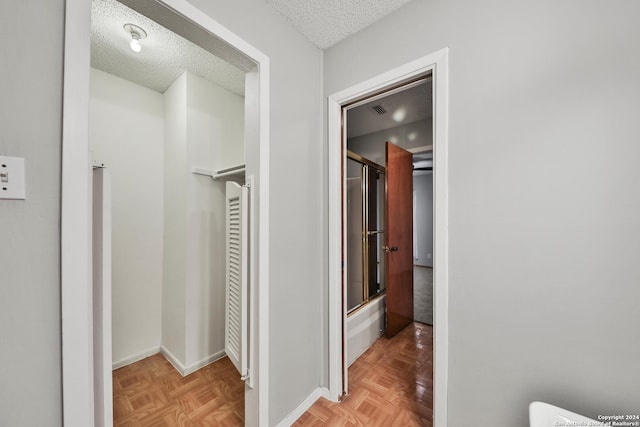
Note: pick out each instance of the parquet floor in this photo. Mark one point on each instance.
(389, 385)
(152, 393)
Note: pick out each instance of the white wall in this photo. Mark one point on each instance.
(297, 276)
(175, 218)
(204, 123)
(30, 127)
(215, 132)
(126, 133)
(543, 132)
(297, 252)
(204, 126)
(423, 221)
(410, 135)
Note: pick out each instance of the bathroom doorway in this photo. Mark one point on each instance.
(380, 210)
(435, 64)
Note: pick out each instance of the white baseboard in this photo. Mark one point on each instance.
(183, 370)
(204, 362)
(172, 359)
(186, 370)
(135, 358)
(304, 406)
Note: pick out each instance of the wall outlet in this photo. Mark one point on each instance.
(429, 255)
(12, 182)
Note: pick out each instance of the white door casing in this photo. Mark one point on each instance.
(437, 64)
(76, 228)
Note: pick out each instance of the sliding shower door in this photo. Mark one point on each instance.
(355, 272)
(365, 234)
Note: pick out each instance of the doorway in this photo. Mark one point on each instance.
(423, 235)
(380, 210)
(436, 64)
(168, 234)
(79, 394)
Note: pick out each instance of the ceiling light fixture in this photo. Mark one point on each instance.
(136, 34)
(400, 114)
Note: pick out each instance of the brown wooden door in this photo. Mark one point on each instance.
(399, 238)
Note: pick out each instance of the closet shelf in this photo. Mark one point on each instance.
(221, 174)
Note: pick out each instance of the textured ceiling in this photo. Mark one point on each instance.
(326, 22)
(164, 56)
(402, 107)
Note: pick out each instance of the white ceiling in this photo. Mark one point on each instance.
(326, 22)
(164, 56)
(406, 106)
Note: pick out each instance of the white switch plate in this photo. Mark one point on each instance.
(12, 184)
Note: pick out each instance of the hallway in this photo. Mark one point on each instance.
(391, 384)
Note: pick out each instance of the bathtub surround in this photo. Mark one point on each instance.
(364, 327)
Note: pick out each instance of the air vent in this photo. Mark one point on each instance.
(378, 109)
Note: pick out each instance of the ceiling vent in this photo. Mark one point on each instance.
(378, 109)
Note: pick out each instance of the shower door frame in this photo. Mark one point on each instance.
(366, 163)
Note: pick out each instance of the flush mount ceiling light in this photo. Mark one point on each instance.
(136, 34)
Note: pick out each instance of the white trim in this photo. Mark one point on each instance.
(250, 182)
(336, 308)
(77, 334)
(175, 362)
(261, 351)
(102, 341)
(186, 370)
(437, 62)
(183, 370)
(303, 407)
(441, 240)
(75, 229)
(135, 357)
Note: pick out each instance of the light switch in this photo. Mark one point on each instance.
(12, 182)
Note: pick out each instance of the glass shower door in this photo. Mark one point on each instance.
(355, 272)
(365, 194)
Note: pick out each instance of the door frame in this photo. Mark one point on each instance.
(78, 392)
(438, 64)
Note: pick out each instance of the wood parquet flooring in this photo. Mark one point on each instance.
(391, 384)
(152, 393)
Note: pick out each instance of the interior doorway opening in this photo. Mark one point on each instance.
(380, 211)
(81, 393)
(436, 66)
(423, 234)
(185, 122)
